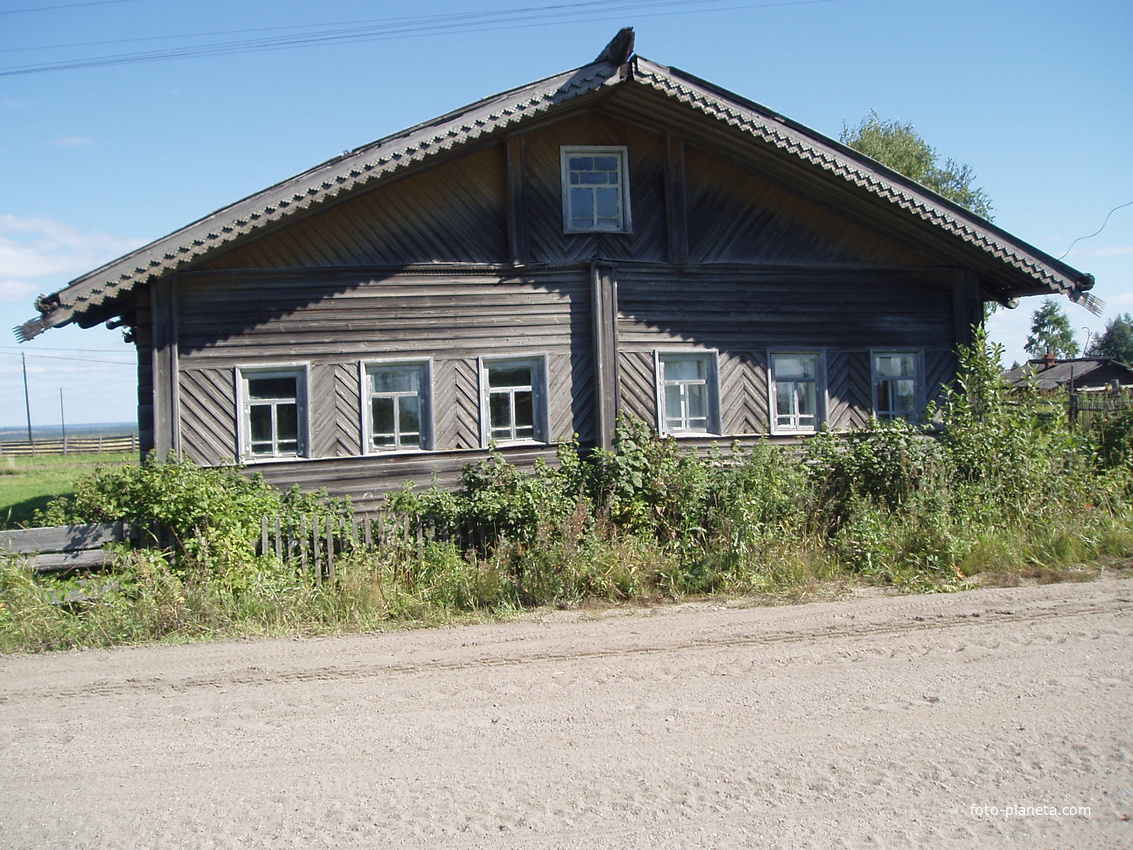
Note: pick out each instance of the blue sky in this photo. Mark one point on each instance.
(1035, 96)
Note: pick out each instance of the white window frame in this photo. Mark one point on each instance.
(711, 383)
(302, 374)
(425, 401)
(622, 154)
(538, 389)
(918, 383)
(820, 391)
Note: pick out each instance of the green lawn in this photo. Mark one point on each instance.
(28, 483)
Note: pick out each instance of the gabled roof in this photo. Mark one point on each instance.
(1009, 266)
(1076, 373)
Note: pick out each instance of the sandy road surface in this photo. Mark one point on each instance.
(882, 722)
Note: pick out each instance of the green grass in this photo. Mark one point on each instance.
(29, 483)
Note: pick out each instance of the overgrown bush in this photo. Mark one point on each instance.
(213, 515)
(992, 484)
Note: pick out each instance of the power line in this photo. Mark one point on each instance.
(71, 359)
(19, 348)
(1099, 230)
(61, 6)
(390, 29)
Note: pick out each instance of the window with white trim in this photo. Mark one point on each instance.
(687, 393)
(273, 412)
(397, 402)
(513, 408)
(897, 385)
(797, 391)
(595, 190)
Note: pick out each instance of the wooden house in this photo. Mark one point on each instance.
(1076, 374)
(622, 237)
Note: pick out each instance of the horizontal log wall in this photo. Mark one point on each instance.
(742, 314)
(334, 325)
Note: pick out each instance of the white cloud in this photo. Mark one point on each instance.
(1095, 253)
(42, 255)
(70, 142)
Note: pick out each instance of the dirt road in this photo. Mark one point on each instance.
(992, 718)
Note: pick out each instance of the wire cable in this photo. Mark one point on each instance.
(389, 29)
(1099, 230)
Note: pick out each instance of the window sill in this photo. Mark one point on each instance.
(397, 452)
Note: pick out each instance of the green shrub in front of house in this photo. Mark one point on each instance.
(994, 486)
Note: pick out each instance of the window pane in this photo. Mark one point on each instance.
(274, 387)
(396, 380)
(807, 401)
(606, 163)
(792, 367)
(607, 200)
(509, 376)
(524, 415)
(594, 178)
(581, 207)
(697, 401)
(674, 405)
(260, 420)
(685, 368)
(499, 412)
(287, 422)
(581, 163)
(383, 416)
(895, 365)
(906, 397)
(784, 401)
(409, 418)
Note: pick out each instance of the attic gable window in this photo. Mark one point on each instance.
(595, 190)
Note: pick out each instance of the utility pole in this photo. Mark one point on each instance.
(62, 421)
(27, 398)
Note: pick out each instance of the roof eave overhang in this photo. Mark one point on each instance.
(1010, 267)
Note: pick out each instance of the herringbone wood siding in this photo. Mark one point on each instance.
(452, 212)
(743, 393)
(850, 398)
(735, 216)
(208, 415)
(544, 199)
(638, 385)
(348, 410)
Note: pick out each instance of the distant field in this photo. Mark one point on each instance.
(29, 483)
(54, 432)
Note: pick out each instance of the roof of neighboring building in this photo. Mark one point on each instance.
(805, 159)
(1077, 373)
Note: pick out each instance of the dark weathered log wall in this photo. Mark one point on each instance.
(744, 313)
(467, 258)
(452, 212)
(334, 326)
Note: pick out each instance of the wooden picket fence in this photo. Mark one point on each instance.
(309, 546)
(71, 446)
(313, 545)
(1089, 408)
